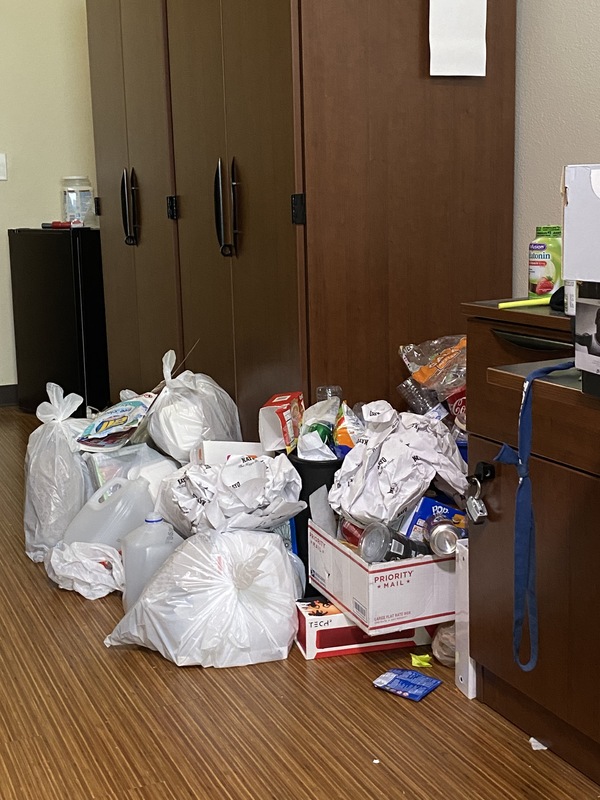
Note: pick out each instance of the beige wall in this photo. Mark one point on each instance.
(558, 109)
(45, 125)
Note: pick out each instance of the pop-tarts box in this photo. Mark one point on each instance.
(413, 523)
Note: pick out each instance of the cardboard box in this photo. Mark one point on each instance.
(279, 421)
(465, 675)
(381, 598)
(214, 453)
(323, 631)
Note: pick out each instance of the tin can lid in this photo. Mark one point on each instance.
(375, 543)
(443, 539)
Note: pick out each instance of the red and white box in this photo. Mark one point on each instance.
(323, 631)
(386, 597)
(279, 421)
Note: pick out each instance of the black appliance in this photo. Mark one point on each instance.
(58, 308)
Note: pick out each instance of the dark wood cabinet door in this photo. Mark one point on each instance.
(409, 185)
(112, 157)
(568, 591)
(147, 98)
(198, 111)
(131, 109)
(257, 46)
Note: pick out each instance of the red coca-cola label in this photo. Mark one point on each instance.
(457, 401)
(352, 533)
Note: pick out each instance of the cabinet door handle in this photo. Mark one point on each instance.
(529, 342)
(234, 206)
(226, 249)
(125, 209)
(135, 208)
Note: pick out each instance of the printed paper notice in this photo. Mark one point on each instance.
(457, 37)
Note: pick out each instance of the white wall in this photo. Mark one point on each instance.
(45, 125)
(558, 110)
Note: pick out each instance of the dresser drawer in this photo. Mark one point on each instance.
(490, 412)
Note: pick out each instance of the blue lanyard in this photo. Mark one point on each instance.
(525, 598)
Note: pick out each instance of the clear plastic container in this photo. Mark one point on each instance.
(327, 392)
(145, 549)
(111, 513)
(77, 199)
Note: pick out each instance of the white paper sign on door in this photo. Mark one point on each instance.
(457, 37)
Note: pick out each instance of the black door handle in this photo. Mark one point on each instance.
(126, 209)
(235, 230)
(226, 249)
(135, 208)
(532, 342)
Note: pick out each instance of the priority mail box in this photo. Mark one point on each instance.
(324, 631)
(385, 597)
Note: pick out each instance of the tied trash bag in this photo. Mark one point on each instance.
(56, 476)
(443, 646)
(191, 409)
(226, 601)
(393, 464)
(93, 570)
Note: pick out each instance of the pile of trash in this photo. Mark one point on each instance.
(157, 497)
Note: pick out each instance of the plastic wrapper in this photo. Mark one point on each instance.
(115, 427)
(347, 431)
(444, 644)
(224, 601)
(56, 476)
(393, 465)
(92, 570)
(407, 683)
(192, 408)
(130, 462)
(315, 442)
(439, 364)
(253, 493)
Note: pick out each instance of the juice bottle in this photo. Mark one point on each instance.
(545, 261)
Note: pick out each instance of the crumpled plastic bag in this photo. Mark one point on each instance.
(438, 364)
(192, 408)
(57, 480)
(443, 645)
(224, 601)
(93, 570)
(393, 464)
(246, 492)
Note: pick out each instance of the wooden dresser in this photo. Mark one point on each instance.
(559, 701)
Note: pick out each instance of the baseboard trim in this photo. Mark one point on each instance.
(8, 395)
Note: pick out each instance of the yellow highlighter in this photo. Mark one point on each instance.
(535, 301)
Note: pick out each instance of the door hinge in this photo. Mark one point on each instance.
(299, 209)
(172, 209)
(97, 210)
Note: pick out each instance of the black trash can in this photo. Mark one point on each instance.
(313, 474)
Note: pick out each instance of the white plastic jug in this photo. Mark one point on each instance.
(145, 550)
(114, 510)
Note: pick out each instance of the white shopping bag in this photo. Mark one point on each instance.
(92, 570)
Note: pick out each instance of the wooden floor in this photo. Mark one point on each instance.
(79, 721)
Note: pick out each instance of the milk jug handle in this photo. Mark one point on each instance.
(96, 501)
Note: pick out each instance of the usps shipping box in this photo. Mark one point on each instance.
(324, 631)
(386, 597)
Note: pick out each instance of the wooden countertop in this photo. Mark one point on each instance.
(539, 316)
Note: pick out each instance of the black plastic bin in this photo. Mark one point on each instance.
(314, 474)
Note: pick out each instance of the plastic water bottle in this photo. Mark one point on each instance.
(144, 550)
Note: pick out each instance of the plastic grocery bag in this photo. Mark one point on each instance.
(246, 492)
(191, 409)
(224, 601)
(56, 476)
(393, 464)
(444, 644)
(93, 570)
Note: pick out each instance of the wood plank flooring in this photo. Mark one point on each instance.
(78, 721)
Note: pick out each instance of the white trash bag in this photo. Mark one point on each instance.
(191, 409)
(56, 476)
(93, 570)
(393, 464)
(226, 601)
